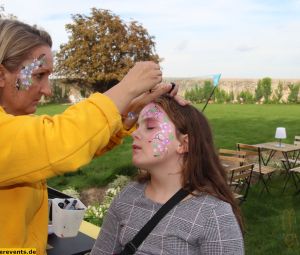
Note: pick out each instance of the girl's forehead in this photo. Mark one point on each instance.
(152, 110)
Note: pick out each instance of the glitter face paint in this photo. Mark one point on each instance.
(163, 134)
(25, 78)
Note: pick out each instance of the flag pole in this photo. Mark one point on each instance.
(216, 79)
(208, 99)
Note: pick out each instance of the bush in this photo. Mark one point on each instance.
(59, 95)
(194, 95)
(95, 213)
(71, 191)
(246, 97)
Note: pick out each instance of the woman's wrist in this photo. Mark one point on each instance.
(129, 120)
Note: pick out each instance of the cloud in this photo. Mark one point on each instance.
(245, 48)
(181, 46)
(236, 38)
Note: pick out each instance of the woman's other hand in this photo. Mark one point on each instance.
(142, 77)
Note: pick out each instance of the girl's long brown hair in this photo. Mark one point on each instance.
(202, 170)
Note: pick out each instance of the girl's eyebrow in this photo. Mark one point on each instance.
(150, 119)
(147, 119)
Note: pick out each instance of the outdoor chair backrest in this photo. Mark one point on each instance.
(232, 156)
(297, 140)
(254, 155)
(240, 180)
(252, 152)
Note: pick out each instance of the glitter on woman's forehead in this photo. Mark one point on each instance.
(25, 80)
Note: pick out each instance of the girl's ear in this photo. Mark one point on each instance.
(183, 146)
(2, 76)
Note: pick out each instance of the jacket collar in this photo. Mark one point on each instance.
(1, 109)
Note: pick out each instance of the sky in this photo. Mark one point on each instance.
(237, 38)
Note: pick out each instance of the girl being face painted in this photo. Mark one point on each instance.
(155, 138)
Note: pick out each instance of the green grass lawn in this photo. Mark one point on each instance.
(272, 220)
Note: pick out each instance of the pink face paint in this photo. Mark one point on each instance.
(24, 81)
(164, 132)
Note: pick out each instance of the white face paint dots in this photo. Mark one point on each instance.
(25, 77)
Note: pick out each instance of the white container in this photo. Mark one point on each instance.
(66, 222)
(50, 227)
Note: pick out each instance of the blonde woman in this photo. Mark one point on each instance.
(34, 148)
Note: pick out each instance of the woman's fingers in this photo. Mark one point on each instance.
(142, 77)
(180, 100)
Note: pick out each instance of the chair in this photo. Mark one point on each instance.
(294, 173)
(293, 160)
(254, 155)
(240, 180)
(231, 158)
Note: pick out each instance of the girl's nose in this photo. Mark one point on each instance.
(135, 134)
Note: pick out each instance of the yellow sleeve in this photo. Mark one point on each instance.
(115, 140)
(34, 148)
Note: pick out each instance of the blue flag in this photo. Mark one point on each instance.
(216, 78)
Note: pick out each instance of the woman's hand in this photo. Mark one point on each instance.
(143, 76)
(173, 93)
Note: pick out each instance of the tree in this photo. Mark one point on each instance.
(220, 95)
(294, 91)
(102, 48)
(278, 94)
(259, 91)
(267, 89)
(207, 89)
(263, 89)
(4, 15)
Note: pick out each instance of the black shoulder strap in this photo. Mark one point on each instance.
(131, 247)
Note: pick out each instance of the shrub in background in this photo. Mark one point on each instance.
(96, 213)
(71, 191)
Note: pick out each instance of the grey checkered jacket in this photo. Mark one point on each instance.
(198, 225)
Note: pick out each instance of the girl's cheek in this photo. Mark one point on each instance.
(159, 144)
(150, 135)
(161, 139)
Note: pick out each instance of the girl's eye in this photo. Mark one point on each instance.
(150, 127)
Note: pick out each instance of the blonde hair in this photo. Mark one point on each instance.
(17, 40)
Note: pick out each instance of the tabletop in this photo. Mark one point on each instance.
(275, 146)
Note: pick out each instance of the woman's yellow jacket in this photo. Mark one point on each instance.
(34, 148)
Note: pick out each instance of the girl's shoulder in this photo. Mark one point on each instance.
(133, 188)
(212, 203)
